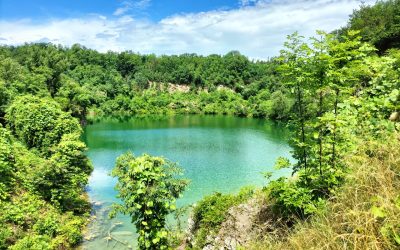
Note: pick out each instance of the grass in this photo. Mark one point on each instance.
(363, 214)
(212, 211)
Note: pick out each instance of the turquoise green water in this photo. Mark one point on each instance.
(218, 153)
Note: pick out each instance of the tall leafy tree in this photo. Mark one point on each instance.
(39, 122)
(297, 77)
(148, 187)
(379, 24)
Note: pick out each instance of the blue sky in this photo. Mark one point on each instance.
(257, 28)
(154, 10)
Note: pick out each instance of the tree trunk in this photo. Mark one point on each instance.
(320, 131)
(333, 160)
(303, 137)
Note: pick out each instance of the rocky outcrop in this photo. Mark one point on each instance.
(244, 222)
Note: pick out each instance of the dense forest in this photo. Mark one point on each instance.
(339, 93)
(86, 82)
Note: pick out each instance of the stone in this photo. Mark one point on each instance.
(395, 116)
(208, 247)
(230, 243)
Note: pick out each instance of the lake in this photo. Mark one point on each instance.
(217, 153)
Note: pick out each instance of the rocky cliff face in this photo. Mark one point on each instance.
(244, 223)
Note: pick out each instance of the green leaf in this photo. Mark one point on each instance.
(378, 212)
(282, 162)
(163, 234)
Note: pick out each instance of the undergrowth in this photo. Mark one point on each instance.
(363, 214)
(212, 210)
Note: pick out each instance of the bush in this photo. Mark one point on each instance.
(209, 213)
(33, 242)
(148, 186)
(39, 122)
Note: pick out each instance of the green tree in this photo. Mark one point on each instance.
(7, 163)
(334, 70)
(39, 122)
(379, 24)
(77, 99)
(281, 106)
(296, 74)
(63, 180)
(148, 187)
(347, 57)
(128, 63)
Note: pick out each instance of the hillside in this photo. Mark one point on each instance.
(338, 93)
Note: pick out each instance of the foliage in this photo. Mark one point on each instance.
(364, 212)
(148, 187)
(378, 24)
(333, 90)
(292, 200)
(43, 174)
(86, 82)
(212, 210)
(333, 69)
(39, 123)
(64, 179)
(7, 166)
(30, 222)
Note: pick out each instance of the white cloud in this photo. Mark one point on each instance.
(247, 2)
(257, 31)
(142, 4)
(127, 6)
